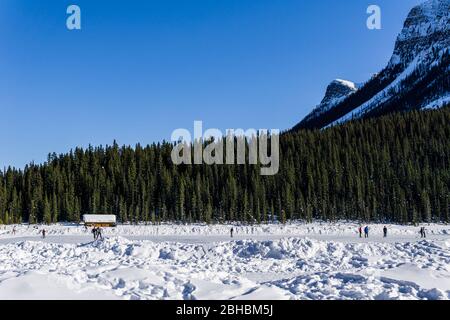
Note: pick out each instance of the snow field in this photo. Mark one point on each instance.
(298, 266)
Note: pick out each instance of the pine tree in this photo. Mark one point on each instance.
(47, 212)
(426, 206)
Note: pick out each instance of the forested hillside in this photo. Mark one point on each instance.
(394, 168)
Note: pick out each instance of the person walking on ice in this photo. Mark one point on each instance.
(99, 233)
(385, 231)
(43, 233)
(422, 232)
(94, 232)
(231, 232)
(360, 231)
(366, 232)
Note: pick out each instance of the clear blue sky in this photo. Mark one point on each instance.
(140, 69)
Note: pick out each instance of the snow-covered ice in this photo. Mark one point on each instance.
(293, 261)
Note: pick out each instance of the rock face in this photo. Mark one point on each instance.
(337, 90)
(427, 25)
(416, 76)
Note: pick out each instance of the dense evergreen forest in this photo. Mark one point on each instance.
(392, 168)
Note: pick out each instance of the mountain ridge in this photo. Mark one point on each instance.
(420, 63)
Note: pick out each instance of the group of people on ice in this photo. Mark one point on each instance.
(366, 231)
(385, 231)
(97, 232)
(42, 232)
(422, 232)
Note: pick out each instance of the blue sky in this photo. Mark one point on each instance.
(140, 69)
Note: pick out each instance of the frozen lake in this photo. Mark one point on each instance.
(295, 261)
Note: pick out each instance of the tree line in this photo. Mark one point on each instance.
(395, 168)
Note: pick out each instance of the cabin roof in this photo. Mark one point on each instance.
(106, 218)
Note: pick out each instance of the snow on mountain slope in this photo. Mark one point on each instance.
(336, 92)
(427, 25)
(416, 75)
(381, 96)
(438, 103)
(338, 89)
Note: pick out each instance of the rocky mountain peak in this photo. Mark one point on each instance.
(427, 25)
(338, 89)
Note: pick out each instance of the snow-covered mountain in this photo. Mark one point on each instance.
(416, 77)
(336, 92)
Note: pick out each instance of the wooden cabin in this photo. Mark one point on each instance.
(99, 220)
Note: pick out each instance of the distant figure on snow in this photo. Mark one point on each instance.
(14, 230)
(366, 232)
(94, 232)
(422, 232)
(231, 232)
(360, 231)
(385, 231)
(43, 233)
(99, 233)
